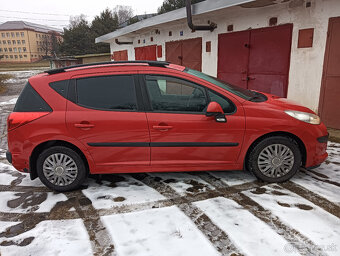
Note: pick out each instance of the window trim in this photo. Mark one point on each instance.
(147, 101)
(72, 94)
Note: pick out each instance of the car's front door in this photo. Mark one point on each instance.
(181, 134)
(104, 114)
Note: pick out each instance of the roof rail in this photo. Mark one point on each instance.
(149, 62)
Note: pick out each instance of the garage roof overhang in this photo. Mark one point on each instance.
(199, 8)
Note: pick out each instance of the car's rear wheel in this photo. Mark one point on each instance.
(61, 168)
(275, 159)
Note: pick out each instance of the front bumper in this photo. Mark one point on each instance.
(317, 150)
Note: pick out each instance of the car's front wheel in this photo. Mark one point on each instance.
(61, 168)
(275, 159)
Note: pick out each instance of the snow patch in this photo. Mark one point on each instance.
(165, 231)
(25, 202)
(57, 237)
(313, 222)
(184, 183)
(259, 239)
(128, 191)
(10, 102)
(232, 178)
(326, 190)
(9, 170)
(6, 224)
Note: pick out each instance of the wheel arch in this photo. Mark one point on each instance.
(300, 143)
(47, 144)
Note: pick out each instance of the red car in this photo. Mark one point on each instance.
(124, 117)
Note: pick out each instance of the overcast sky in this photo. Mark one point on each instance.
(56, 13)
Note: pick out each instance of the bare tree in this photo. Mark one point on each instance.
(50, 43)
(46, 44)
(55, 43)
(123, 13)
(75, 21)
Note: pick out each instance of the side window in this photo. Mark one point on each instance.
(227, 105)
(60, 87)
(107, 92)
(172, 94)
(30, 101)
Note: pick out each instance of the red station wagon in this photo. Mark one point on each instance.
(149, 116)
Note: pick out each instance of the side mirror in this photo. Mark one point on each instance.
(215, 109)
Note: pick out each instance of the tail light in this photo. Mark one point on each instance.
(17, 119)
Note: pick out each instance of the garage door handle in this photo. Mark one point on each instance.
(84, 125)
(162, 127)
(248, 78)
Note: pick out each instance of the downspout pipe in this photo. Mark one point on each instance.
(120, 43)
(193, 27)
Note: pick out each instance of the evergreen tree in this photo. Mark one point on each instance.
(105, 23)
(77, 38)
(80, 37)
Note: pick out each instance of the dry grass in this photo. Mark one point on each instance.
(334, 135)
(24, 66)
(3, 78)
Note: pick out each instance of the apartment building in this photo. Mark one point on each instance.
(25, 42)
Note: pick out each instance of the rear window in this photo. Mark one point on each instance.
(107, 92)
(30, 101)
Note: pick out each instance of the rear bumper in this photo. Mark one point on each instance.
(9, 156)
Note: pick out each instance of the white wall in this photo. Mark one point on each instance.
(306, 64)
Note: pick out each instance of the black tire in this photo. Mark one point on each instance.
(253, 157)
(81, 168)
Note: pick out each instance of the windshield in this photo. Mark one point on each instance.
(241, 92)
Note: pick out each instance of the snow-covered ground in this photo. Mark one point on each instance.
(172, 214)
(206, 213)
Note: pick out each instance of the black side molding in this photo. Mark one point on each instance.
(193, 144)
(119, 144)
(163, 144)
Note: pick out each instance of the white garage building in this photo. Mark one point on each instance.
(290, 48)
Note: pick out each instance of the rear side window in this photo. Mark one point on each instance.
(30, 101)
(107, 92)
(60, 87)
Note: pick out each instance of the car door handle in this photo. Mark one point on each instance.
(86, 126)
(162, 127)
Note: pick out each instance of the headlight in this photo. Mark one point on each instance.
(303, 116)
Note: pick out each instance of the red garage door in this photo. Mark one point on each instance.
(120, 55)
(256, 59)
(146, 53)
(329, 105)
(187, 53)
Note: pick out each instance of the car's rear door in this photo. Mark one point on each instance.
(104, 113)
(181, 134)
